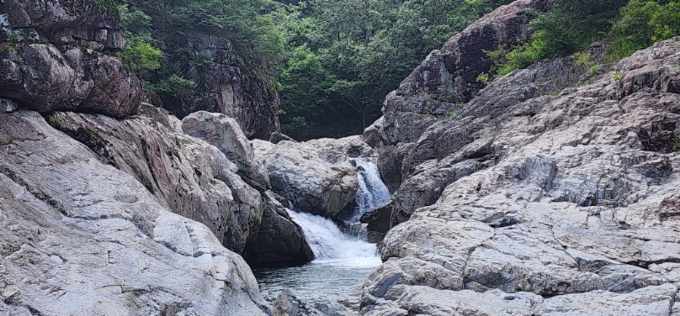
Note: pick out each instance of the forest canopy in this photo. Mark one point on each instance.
(333, 61)
(343, 56)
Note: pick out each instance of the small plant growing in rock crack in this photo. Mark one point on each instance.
(617, 76)
(595, 69)
(54, 120)
(483, 78)
(584, 59)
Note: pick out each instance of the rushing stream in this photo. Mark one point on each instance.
(343, 260)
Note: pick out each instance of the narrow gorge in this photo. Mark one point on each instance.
(550, 190)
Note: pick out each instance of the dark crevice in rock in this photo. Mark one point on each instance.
(38, 194)
(14, 300)
(647, 263)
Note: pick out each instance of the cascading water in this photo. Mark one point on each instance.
(329, 243)
(373, 192)
(342, 260)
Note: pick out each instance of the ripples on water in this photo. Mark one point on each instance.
(329, 280)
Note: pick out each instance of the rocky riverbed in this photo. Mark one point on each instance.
(550, 191)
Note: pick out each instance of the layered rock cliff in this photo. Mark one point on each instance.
(58, 56)
(550, 191)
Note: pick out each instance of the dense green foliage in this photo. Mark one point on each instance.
(573, 25)
(642, 23)
(344, 56)
(158, 31)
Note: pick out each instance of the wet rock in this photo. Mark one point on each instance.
(67, 211)
(379, 222)
(287, 304)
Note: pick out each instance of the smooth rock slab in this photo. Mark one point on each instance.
(81, 237)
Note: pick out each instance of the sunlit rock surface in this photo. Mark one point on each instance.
(565, 206)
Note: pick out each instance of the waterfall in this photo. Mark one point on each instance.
(373, 192)
(327, 240)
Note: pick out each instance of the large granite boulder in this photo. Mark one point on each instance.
(224, 133)
(316, 176)
(194, 179)
(567, 203)
(56, 55)
(82, 237)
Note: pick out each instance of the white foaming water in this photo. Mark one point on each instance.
(373, 192)
(331, 244)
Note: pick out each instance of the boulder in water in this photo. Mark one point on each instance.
(316, 176)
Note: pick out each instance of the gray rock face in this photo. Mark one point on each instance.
(224, 133)
(230, 90)
(194, 179)
(554, 201)
(57, 59)
(187, 175)
(229, 78)
(448, 77)
(81, 237)
(317, 175)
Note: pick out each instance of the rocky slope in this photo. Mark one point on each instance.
(81, 236)
(110, 206)
(548, 192)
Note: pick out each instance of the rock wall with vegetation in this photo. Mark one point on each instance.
(548, 190)
(215, 56)
(342, 57)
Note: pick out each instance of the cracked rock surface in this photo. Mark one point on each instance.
(558, 199)
(80, 237)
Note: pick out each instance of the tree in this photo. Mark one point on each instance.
(364, 48)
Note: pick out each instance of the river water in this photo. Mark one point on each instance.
(343, 260)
